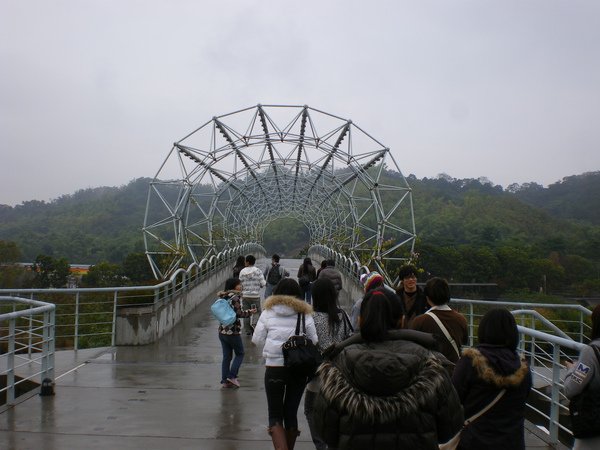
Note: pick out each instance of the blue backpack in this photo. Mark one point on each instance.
(223, 311)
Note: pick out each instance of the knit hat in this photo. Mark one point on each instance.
(373, 280)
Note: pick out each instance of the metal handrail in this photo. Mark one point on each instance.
(26, 339)
(73, 315)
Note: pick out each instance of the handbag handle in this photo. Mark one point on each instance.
(298, 324)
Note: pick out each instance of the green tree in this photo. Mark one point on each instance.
(50, 272)
(137, 268)
(9, 252)
(103, 274)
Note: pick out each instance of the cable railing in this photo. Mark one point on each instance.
(26, 345)
(86, 317)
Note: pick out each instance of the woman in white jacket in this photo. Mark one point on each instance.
(283, 387)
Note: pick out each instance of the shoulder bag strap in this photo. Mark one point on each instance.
(298, 325)
(445, 331)
(303, 324)
(484, 410)
(346, 320)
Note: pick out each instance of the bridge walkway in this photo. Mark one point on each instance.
(164, 395)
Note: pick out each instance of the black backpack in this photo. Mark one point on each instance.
(275, 276)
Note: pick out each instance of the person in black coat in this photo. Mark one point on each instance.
(479, 376)
(412, 296)
(384, 388)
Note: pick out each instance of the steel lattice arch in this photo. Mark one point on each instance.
(222, 184)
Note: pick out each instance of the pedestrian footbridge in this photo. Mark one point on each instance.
(166, 393)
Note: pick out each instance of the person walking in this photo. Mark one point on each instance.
(449, 326)
(333, 326)
(252, 281)
(411, 295)
(283, 387)
(584, 374)
(492, 373)
(306, 275)
(229, 335)
(274, 274)
(369, 281)
(240, 263)
(333, 274)
(384, 388)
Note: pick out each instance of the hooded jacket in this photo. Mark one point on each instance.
(252, 280)
(480, 374)
(393, 394)
(277, 324)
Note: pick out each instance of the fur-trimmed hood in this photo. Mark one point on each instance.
(383, 382)
(286, 305)
(505, 370)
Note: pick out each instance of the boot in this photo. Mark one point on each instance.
(290, 436)
(278, 436)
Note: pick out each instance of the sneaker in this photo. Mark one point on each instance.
(234, 381)
(227, 385)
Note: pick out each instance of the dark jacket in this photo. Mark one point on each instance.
(480, 374)
(334, 275)
(455, 324)
(416, 309)
(387, 395)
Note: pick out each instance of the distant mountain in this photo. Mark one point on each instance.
(104, 224)
(91, 225)
(576, 197)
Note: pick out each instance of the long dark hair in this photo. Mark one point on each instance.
(241, 261)
(231, 283)
(288, 286)
(305, 266)
(498, 327)
(380, 312)
(596, 322)
(324, 295)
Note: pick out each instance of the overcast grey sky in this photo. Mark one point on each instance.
(94, 93)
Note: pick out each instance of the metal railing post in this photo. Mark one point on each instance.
(114, 324)
(45, 346)
(76, 338)
(10, 370)
(555, 395)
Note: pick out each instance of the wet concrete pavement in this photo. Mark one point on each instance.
(161, 396)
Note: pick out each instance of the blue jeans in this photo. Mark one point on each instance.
(231, 343)
(284, 390)
(307, 293)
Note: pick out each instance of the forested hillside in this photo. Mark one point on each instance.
(469, 230)
(575, 197)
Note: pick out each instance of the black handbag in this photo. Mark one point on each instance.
(584, 409)
(299, 352)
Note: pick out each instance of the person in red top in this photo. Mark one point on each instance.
(449, 326)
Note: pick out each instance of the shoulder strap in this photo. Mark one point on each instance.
(484, 410)
(445, 331)
(298, 325)
(346, 321)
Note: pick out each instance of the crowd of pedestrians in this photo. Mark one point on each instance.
(395, 373)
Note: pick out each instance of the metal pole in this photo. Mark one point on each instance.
(76, 342)
(10, 372)
(114, 322)
(554, 403)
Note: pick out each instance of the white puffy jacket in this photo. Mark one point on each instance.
(277, 324)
